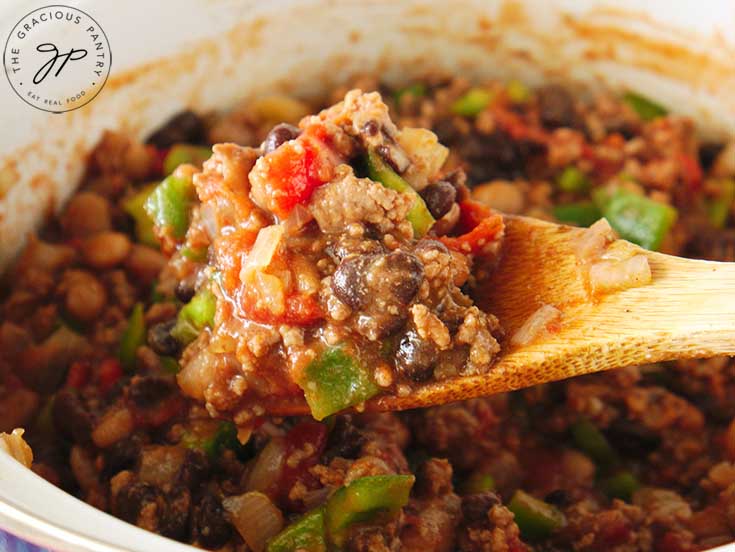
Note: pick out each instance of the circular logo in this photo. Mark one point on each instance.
(57, 58)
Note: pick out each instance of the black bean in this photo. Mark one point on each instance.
(149, 391)
(161, 340)
(708, 152)
(556, 107)
(185, 291)
(209, 523)
(347, 246)
(345, 439)
(395, 157)
(185, 126)
(446, 130)
(194, 470)
(405, 272)
(492, 156)
(279, 134)
(458, 179)
(439, 198)
(122, 455)
(132, 498)
(415, 357)
(371, 128)
(476, 506)
(632, 439)
(173, 520)
(71, 417)
(558, 497)
(348, 282)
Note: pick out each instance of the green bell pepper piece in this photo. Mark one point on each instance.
(305, 534)
(185, 153)
(718, 210)
(224, 437)
(195, 316)
(135, 207)
(583, 213)
(621, 485)
(635, 217)
(169, 205)
(478, 482)
(593, 443)
(334, 381)
(535, 518)
(517, 92)
(417, 90)
(196, 255)
(646, 108)
(571, 179)
(170, 365)
(133, 337)
(44, 422)
(419, 215)
(472, 102)
(368, 499)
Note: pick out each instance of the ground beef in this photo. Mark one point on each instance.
(160, 461)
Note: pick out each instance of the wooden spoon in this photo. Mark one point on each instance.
(687, 311)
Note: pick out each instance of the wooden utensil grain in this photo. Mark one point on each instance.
(687, 311)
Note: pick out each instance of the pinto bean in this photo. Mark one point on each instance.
(84, 295)
(86, 214)
(106, 249)
(145, 263)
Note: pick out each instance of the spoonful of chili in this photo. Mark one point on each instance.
(573, 302)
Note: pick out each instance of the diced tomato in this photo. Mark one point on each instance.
(518, 129)
(691, 171)
(615, 140)
(310, 438)
(158, 156)
(614, 532)
(480, 227)
(295, 170)
(78, 374)
(230, 250)
(673, 542)
(471, 213)
(301, 310)
(109, 372)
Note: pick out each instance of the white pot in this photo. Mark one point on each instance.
(207, 54)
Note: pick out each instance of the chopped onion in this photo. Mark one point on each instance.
(255, 517)
(609, 275)
(593, 240)
(264, 248)
(268, 466)
(208, 218)
(160, 464)
(427, 154)
(299, 217)
(536, 324)
(15, 446)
